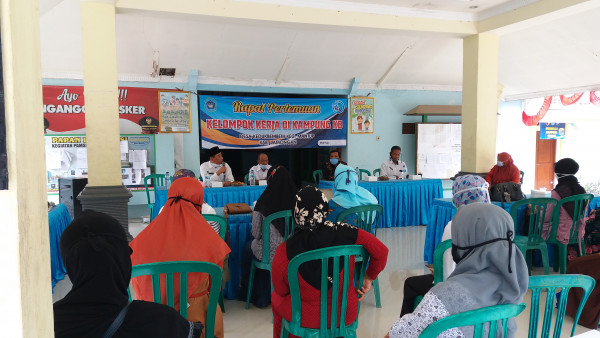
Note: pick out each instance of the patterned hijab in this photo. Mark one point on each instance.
(347, 192)
(469, 189)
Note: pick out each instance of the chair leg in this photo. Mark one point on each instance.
(376, 290)
(562, 255)
(556, 258)
(545, 260)
(221, 302)
(250, 284)
(151, 213)
(529, 260)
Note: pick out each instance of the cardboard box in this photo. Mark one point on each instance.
(262, 182)
(216, 184)
(371, 178)
(414, 177)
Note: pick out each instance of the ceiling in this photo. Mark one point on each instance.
(555, 53)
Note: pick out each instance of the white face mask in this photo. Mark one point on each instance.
(484, 188)
(214, 165)
(559, 175)
(500, 164)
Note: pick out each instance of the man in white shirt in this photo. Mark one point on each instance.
(216, 169)
(262, 168)
(393, 167)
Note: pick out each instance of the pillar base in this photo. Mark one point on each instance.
(111, 200)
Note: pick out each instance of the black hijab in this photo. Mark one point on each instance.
(314, 232)
(96, 254)
(568, 185)
(278, 196)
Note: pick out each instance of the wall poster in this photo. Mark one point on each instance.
(362, 115)
(174, 112)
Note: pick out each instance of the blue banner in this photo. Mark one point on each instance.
(552, 131)
(264, 122)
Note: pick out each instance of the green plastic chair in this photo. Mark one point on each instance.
(551, 284)
(377, 172)
(317, 176)
(246, 179)
(560, 251)
(158, 180)
(222, 233)
(339, 258)
(438, 265)
(264, 263)
(183, 268)
(367, 216)
(363, 171)
(534, 240)
(522, 175)
(478, 318)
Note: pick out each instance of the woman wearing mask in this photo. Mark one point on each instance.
(347, 194)
(330, 166)
(504, 171)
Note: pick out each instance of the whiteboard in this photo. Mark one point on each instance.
(438, 149)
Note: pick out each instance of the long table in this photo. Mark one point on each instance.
(405, 202)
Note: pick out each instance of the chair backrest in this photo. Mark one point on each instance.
(438, 260)
(337, 257)
(478, 318)
(361, 171)
(581, 202)
(317, 176)
(366, 216)
(377, 172)
(158, 180)
(539, 207)
(522, 175)
(219, 219)
(183, 268)
(246, 179)
(266, 231)
(551, 283)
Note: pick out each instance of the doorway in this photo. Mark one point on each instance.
(545, 156)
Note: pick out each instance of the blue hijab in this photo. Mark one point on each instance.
(347, 192)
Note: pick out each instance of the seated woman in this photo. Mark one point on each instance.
(97, 257)
(587, 265)
(206, 209)
(466, 189)
(504, 171)
(313, 232)
(278, 196)
(490, 270)
(347, 194)
(568, 185)
(180, 233)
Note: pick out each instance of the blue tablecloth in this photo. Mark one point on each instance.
(239, 228)
(404, 202)
(58, 220)
(216, 197)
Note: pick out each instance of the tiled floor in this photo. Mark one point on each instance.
(405, 259)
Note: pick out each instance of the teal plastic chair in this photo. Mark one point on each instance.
(182, 268)
(158, 180)
(551, 284)
(317, 176)
(560, 251)
(438, 265)
(339, 258)
(367, 216)
(363, 171)
(522, 175)
(246, 179)
(534, 240)
(222, 233)
(377, 172)
(478, 318)
(264, 262)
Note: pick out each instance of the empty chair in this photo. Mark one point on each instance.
(363, 171)
(377, 172)
(317, 176)
(210, 218)
(156, 180)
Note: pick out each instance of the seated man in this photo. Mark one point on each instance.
(261, 169)
(216, 169)
(328, 167)
(393, 167)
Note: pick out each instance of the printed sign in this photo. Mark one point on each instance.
(263, 122)
(552, 131)
(175, 112)
(362, 114)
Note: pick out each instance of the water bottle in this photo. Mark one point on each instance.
(251, 177)
(403, 174)
(167, 180)
(207, 183)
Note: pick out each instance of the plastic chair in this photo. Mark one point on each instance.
(246, 179)
(366, 217)
(158, 180)
(222, 233)
(183, 268)
(534, 240)
(522, 175)
(339, 258)
(438, 265)
(478, 318)
(265, 263)
(581, 202)
(377, 172)
(551, 283)
(317, 176)
(361, 171)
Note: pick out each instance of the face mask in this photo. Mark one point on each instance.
(484, 188)
(214, 165)
(559, 175)
(457, 258)
(264, 166)
(500, 164)
(333, 161)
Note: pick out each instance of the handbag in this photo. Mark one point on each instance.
(506, 192)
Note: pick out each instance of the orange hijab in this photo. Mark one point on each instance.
(178, 233)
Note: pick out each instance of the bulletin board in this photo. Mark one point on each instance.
(438, 149)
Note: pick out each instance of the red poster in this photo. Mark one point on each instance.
(64, 110)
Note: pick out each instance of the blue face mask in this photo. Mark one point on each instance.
(264, 166)
(333, 161)
(500, 164)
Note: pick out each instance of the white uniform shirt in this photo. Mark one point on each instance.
(259, 174)
(390, 169)
(211, 169)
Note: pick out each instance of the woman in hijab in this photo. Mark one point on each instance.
(466, 189)
(278, 196)
(97, 257)
(568, 185)
(180, 233)
(504, 171)
(490, 270)
(347, 194)
(313, 232)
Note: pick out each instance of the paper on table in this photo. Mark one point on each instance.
(124, 147)
(53, 159)
(139, 156)
(139, 165)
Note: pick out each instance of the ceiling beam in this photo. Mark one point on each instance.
(299, 15)
(391, 68)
